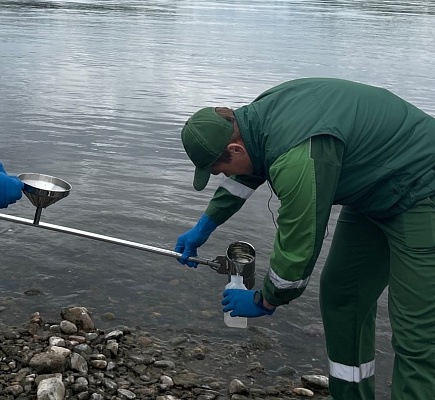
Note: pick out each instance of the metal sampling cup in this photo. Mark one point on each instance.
(241, 261)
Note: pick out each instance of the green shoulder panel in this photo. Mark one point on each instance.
(305, 180)
(293, 179)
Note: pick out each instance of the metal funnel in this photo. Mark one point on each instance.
(43, 190)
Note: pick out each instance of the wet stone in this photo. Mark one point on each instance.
(36, 318)
(207, 397)
(110, 366)
(167, 397)
(166, 380)
(78, 339)
(314, 330)
(11, 335)
(144, 341)
(78, 363)
(109, 316)
(55, 329)
(239, 397)
(237, 387)
(82, 348)
(110, 384)
(138, 359)
(178, 340)
(48, 363)
(114, 335)
(126, 394)
(14, 390)
(164, 364)
(68, 327)
(315, 382)
(100, 364)
(199, 352)
(91, 336)
(80, 317)
(112, 346)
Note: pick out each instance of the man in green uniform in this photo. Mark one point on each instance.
(321, 142)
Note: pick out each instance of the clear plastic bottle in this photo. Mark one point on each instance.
(235, 322)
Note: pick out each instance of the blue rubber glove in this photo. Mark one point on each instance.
(242, 303)
(189, 241)
(10, 188)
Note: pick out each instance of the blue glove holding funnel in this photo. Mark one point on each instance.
(10, 188)
(189, 241)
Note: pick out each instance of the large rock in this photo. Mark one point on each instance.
(52, 361)
(79, 316)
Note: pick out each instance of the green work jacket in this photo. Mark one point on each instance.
(320, 142)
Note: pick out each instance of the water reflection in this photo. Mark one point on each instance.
(154, 7)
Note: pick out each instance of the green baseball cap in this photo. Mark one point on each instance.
(205, 136)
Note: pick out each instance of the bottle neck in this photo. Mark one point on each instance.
(238, 279)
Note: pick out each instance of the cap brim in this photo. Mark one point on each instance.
(201, 178)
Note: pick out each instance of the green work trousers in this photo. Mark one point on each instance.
(366, 255)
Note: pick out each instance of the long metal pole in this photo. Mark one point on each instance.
(109, 239)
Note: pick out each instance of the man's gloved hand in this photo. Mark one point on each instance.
(244, 303)
(10, 188)
(189, 241)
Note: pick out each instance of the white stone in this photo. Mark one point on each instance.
(51, 389)
(166, 380)
(56, 341)
(303, 392)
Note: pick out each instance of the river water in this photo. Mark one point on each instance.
(95, 92)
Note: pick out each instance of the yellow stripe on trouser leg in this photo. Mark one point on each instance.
(354, 276)
(412, 300)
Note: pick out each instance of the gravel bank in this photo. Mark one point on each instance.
(72, 359)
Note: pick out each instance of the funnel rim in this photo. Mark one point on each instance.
(66, 187)
(40, 196)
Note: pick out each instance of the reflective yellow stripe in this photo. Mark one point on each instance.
(351, 374)
(280, 283)
(236, 188)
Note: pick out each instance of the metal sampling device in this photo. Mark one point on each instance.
(44, 190)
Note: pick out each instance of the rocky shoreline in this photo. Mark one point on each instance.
(71, 359)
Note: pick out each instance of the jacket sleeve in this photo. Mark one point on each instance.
(231, 195)
(305, 180)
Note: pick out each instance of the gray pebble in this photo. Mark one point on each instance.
(68, 327)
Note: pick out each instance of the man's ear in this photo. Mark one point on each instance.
(236, 148)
